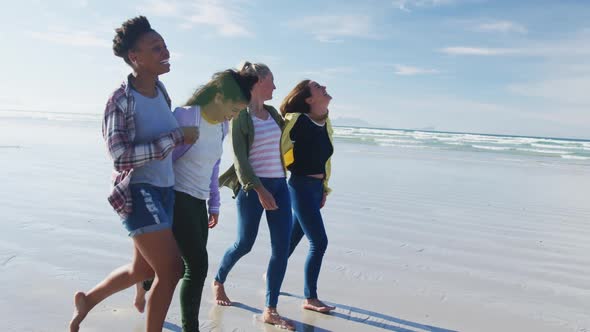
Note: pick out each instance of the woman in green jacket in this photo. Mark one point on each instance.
(259, 182)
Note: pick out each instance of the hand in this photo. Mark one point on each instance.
(323, 202)
(191, 134)
(213, 219)
(266, 199)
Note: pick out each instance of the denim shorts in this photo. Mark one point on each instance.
(153, 208)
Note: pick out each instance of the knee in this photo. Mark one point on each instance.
(177, 270)
(142, 272)
(243, 247)
(319, 245)
(281, 249)
(197, 268)
(171, 272)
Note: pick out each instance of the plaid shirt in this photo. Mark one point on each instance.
(118, 130)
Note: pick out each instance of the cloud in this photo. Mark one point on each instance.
(79, 3)
(331, 28)
(329, 71)
(501, 26)
(456, 113)
(161, 8)
(72, 38)
(224, 16)
(570, 90)
(406, 5)
(10, 103)
(412, 71)
(555, 50)
(225, 20)
(576, 46)
(486, 51)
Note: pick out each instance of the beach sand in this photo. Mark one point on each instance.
(420, 240)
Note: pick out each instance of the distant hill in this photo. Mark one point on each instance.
(351, 122)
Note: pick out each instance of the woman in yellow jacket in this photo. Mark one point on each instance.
(307, 147)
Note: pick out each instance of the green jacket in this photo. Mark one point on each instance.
(240, 174)
(287, 145)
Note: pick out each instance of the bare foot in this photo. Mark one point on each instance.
(80, 312)
(317, 305)
(219, 294)
(272, 317)
(139, 301)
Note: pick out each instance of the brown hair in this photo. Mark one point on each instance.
(230, 83)
(295, 100)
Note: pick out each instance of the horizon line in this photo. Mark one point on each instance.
(357, 127)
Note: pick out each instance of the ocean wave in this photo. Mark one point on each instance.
(53, 116)
(569, 156)
(543, 151)
(494, 148)
(556, 146)
(394, 140)
(509, 145)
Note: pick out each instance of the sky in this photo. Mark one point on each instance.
(499, 67)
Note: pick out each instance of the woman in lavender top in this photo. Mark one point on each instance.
(196, 169)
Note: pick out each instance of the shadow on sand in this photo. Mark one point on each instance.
(172, 327)
(374, 319)
(301, 326)
(346, 312)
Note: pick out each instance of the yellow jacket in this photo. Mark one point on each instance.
(287, 145)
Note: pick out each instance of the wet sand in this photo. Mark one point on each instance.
(420, 240)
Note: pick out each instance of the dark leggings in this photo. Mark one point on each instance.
(190, 230)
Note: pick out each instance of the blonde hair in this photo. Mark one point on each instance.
(259, 69)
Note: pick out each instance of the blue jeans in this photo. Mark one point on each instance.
(153, 209)
(279, 223)
(306, 197)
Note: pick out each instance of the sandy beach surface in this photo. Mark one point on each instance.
(420, 240)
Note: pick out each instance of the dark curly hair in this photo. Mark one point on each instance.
(230, 83)
(128, 34)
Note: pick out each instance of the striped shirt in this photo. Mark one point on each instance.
(265, 154)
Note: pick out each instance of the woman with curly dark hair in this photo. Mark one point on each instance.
(141, 133)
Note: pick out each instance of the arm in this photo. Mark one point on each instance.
(327, 189)
(184, 118)
(127, 155)
(244, 170)
(287, 140)
(214, 201)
